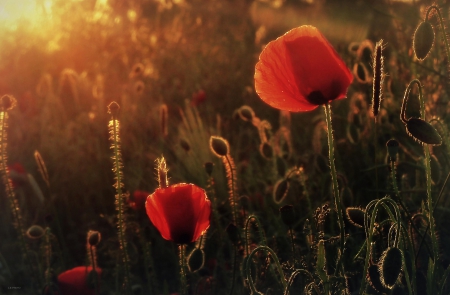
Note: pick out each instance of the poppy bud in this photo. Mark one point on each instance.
(392, 148)
(94, 238)
(423, 131)
(374, 278)
(185, 145)
(209, 168)
(35, 232)
(390, 266)
(266, 150)
(113, 108)
(280, 190)
(246, 113)
(423, 40)
(361, 73)
(196, 259)
(219, 146)
(287, 214)
(233, 234)
(355, 216)
(8, 102)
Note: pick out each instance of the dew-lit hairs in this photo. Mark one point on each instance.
(114, 132)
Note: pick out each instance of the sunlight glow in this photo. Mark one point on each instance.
(12, 11)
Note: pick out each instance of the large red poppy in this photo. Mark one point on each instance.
(180, 212)
(300, 71)
(75, 281)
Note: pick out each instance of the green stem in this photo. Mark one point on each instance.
(337, 200)
(231, 184)
(120, 215)
(277, 264)
(182, 250)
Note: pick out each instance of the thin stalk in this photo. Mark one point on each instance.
(119, 202)
(277, 264)
(94, 268)
(182, 250)
(441, 22)
(337, 200)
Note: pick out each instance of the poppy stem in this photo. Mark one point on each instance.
(337, 200)
(441, 22)
(182, 250)
(117, 169)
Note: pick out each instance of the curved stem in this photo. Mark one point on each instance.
(441, 21)
(337, 200)
(246, 232)
(277, 264)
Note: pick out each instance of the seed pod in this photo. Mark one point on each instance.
(355, 216)
(390, 266)
(35, 232)
(374, 278)
(361, 73)
(287, 214)
(185, 145)
(280, 190)
(209, 166)
(219, 146)
(94, 237)
(423, 40)
(246, 113)
(423, 131)
(113, 108)
(392, 148)
(7, 102)
(196, 259)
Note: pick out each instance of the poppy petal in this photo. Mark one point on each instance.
(156, 213)
(301, 70)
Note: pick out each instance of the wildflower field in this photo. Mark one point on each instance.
(224, 147)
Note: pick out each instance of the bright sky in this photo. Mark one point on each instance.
(13, 10)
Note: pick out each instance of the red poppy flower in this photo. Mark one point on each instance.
(300, 71)
(75, 281)
(180, 212)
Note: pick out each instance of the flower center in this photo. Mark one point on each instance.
(316, 97)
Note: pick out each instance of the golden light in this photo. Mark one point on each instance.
(32, 11)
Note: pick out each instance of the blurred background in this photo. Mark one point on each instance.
(180, 69)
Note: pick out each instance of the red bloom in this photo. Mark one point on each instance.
(300, 71)
(180, 212)
(75, 281)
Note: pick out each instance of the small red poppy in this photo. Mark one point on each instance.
(300, 71)
(180, 212)
(76, 281)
